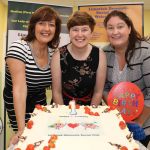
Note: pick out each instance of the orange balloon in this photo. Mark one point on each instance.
(127, 98)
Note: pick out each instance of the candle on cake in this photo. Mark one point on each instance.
(72, 104)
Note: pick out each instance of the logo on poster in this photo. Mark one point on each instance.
(1, 126)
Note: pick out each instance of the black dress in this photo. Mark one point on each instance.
(78, 76)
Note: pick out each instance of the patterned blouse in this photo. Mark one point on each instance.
(78, 76)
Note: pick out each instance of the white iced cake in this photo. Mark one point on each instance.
(89, 128)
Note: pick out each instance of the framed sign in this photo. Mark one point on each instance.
(99, 12)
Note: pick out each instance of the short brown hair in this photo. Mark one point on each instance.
(45, 13)
(81, 18)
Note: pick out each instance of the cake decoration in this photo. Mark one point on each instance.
(42, 108)
(22, 138)
(73, 125)
(90, 112)
(51, 142)
(38, 143)
(122, 125)
(90, 125)
(130, 136)
(118, 146)
(29, 124)
(57, 125)
(85, 130)
(33, 114)
(30, 147)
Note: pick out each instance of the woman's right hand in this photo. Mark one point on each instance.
(15, 138)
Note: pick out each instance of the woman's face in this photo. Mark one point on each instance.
(80, 35)
(118, 32)
(45, 31)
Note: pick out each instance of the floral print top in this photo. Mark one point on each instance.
(78, 76)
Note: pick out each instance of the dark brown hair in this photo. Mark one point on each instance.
(134, 36)
(81, 18)
(45, 13)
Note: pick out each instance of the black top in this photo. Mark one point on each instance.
(78, 76)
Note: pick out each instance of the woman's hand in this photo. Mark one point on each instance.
(15, 138)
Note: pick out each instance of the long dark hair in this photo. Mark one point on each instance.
(134, 36)
(45, 13)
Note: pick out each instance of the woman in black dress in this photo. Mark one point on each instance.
(78, 68)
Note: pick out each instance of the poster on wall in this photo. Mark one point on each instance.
(18, 18)
(99, 12)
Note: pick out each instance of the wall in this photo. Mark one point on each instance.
(146, 23)
(3, 22)
(3, 27)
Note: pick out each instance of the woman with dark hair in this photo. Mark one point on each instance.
(128, 59)
(79, 68)
(28, 71)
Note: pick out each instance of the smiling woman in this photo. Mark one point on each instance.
(28, 72)
(79, 68)
(128, 58)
